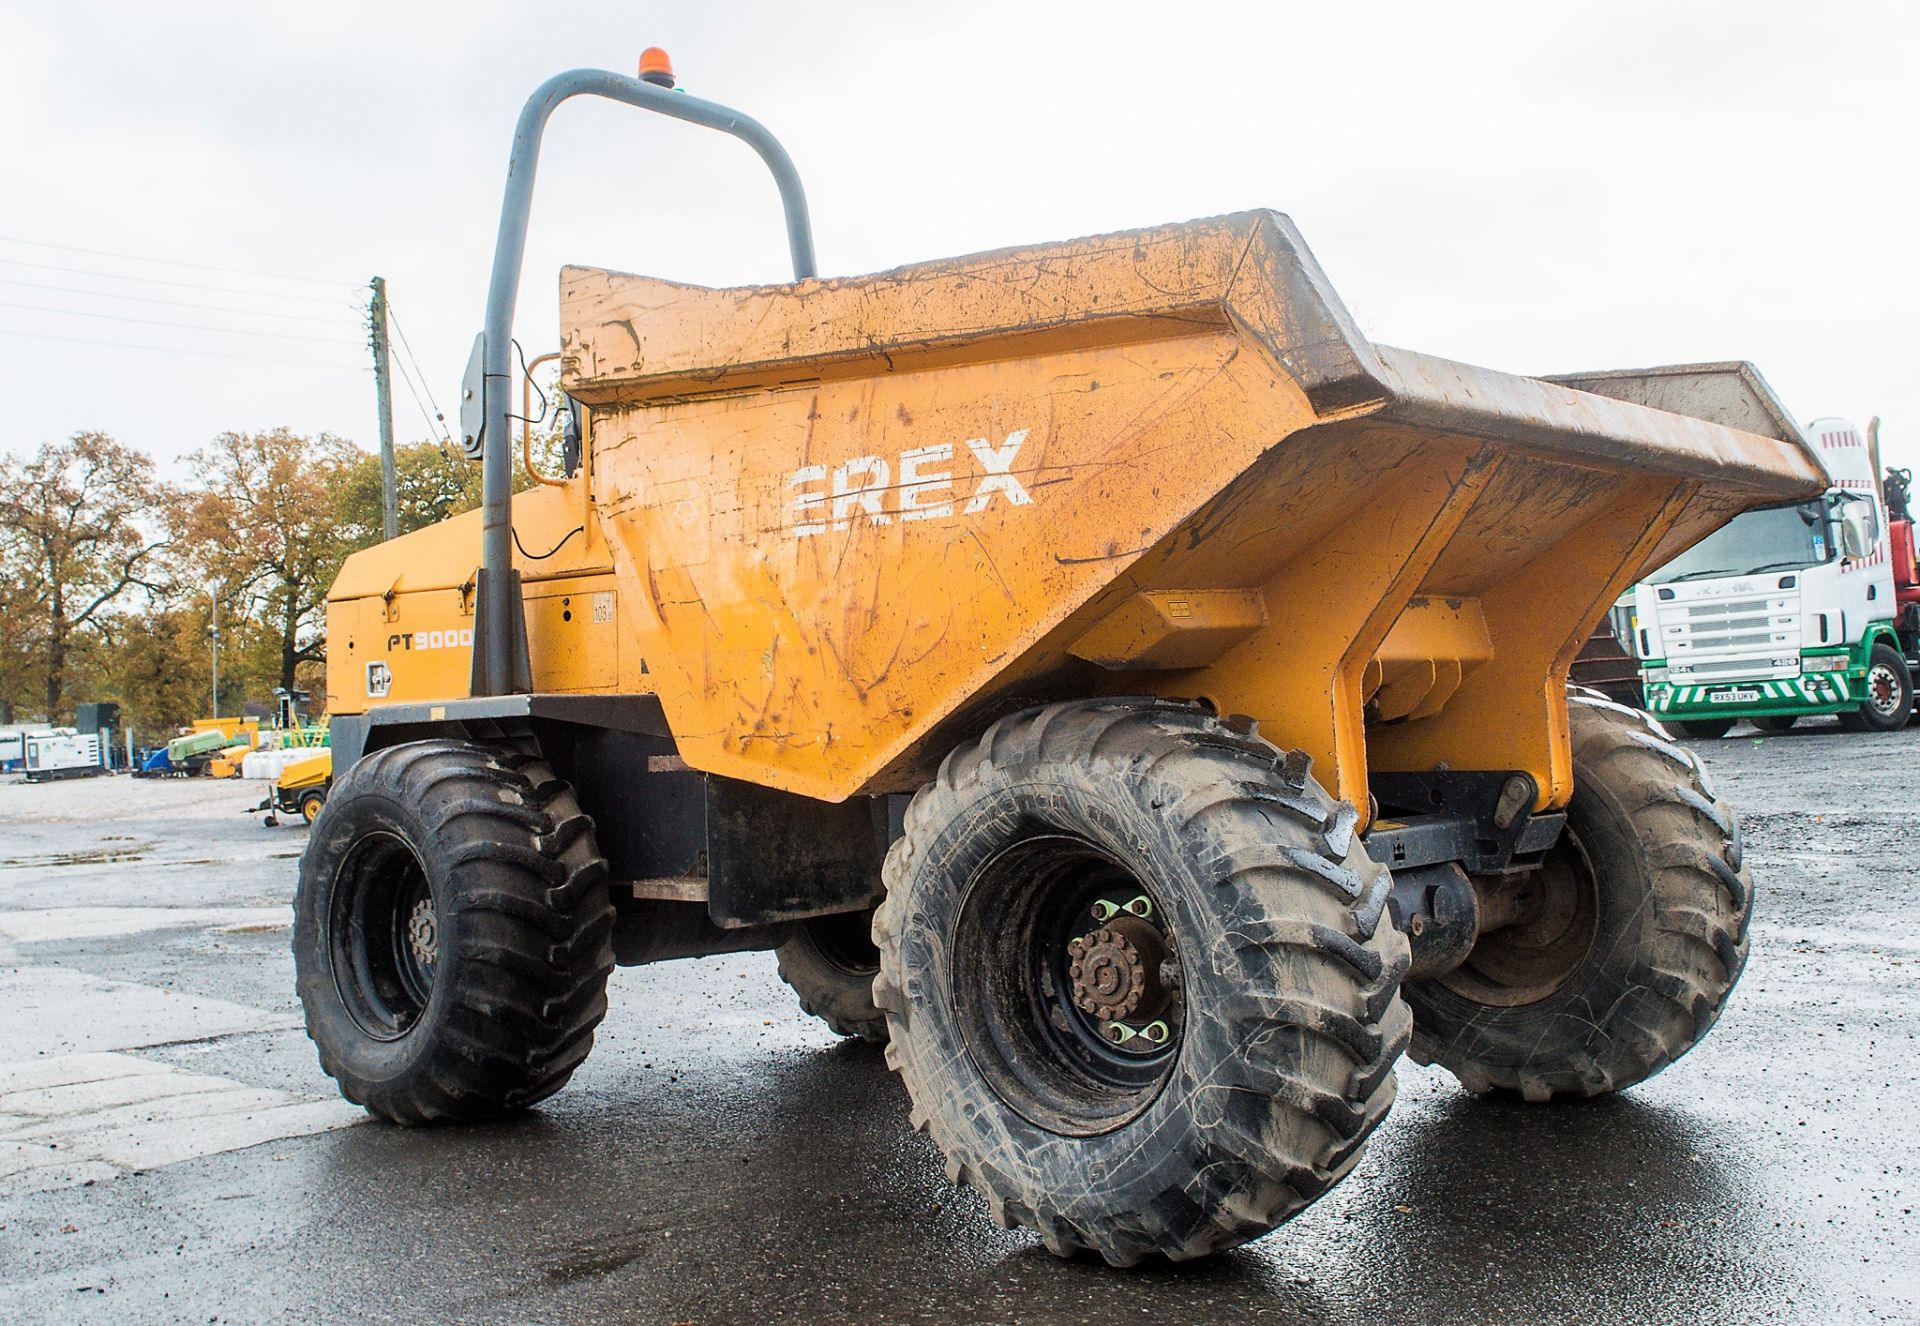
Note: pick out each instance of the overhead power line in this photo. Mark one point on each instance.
(414, 359)
(329, 300)
(184, 326)
(173, 262)
(434, 431)
(175, 350)
(180, 303)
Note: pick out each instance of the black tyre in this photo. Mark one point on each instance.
(451, 932)
(1136, 978)
(1709, 729)
(310, 802)
(830, 962)
(1621, 950)
(1777, 722)
(1889, 702)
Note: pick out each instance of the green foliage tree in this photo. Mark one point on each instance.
(430, 484)
(18, 618)
(78, 534)
(263, 525)
(95, 603)
(157, 663)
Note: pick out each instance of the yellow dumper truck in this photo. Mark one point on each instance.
(1102, 674)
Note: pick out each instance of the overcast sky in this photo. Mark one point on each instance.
(1534, 187)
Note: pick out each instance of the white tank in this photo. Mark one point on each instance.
(266, 765)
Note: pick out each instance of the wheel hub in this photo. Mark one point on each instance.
(1116, 970)
(1882, 691)
(1534, 930)
(384, 935)
(423, 933)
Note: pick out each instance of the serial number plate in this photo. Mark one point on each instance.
(1733, 695)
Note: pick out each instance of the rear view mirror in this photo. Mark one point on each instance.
(1859, 525)
(572, 429)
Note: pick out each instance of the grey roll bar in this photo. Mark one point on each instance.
(500, 664)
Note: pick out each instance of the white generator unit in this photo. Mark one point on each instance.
(63, 754)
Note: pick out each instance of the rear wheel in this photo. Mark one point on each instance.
(830, 962)
(1707, 728)
(1617, 954)
(452, 933)
(1889, 701)
(1777, 722)
(310, 802)
(1137, 979)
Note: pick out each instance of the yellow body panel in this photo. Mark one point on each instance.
(839, 526)
(400, 616)
(316, 770)
(226, 763)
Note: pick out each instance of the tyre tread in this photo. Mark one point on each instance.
(528, 987)
(1292, 893)
(1690, 844)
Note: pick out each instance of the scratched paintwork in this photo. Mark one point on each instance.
(846, 522)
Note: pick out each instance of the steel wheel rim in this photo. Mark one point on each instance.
(383, 934)
(1883, 690)
(1038, 1032)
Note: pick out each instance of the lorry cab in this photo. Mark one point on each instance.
(1785, 612)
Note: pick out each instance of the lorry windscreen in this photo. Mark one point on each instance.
(1774, 538)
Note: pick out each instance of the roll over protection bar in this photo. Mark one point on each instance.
(500, 661)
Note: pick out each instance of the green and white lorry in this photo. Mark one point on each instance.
(1786, 612)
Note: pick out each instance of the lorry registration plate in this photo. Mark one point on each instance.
(1733, 695)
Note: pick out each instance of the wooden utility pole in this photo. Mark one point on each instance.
(213, 616)
(383, 393)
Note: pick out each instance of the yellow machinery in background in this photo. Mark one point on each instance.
(238, 731)
(301, 789)
(226, 762)
(243, 735)
(1099, 670)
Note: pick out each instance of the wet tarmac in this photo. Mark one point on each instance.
(721, 1159)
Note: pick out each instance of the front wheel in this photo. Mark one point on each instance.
(1137, 978)
(452, 932)
(1708, 729)
(1615, 956)
(1777, 722)
(1889, 701)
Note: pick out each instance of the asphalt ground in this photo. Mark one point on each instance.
(170, 1151)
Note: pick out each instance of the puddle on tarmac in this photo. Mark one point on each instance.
(98, 856)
